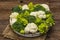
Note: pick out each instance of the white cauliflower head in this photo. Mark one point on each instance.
(45, 6)
(41, 12)
(25, 7)
(33, 14)
(14, 15)
(31, 27)
(12, 21)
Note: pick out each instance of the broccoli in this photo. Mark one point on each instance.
(31, 6)
(43, 28)
(17, 9)
(38, 7)
(22, 31)
(30, 18)
(50, 21)
(38, 20)
(18, 26)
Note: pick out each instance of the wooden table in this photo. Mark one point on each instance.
(6, 6)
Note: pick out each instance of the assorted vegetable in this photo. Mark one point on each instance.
(31, 18)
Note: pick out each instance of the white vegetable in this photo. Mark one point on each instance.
(42, 16)
(33, 14)
(14, 15)
(13, 18)
(25, 7)
(45, 6)
(12, 21)
(31, 27)
(41, 12)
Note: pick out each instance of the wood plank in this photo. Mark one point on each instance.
(54, 33)
(54, 0)
(4, 15)
(8, 5)
(54, 5)
(7, 0)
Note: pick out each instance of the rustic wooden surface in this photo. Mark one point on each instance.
(5, 9)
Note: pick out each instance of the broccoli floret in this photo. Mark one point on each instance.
(17, 9)
(30, 18)
(50, 21)
(22, 31)
(43, 28)
(38, 7)
(31, 6)
(18, 26)
(38, 20)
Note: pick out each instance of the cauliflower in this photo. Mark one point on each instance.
(31, 27)
(12, 21)
(40, 14)
(14, 15)
(13, 18)
(25, 7)
(45, 6)
(33, 14)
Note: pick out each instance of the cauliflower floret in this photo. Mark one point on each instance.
(31, 27)
(41, 13)
(27, 30)
(33, 14)
(14, 15)
(25, 7)
(13, 18)
(42, 16)
(12, 21)
(45, 6)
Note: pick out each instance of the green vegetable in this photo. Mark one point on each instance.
(17, 9)
(31, 6)
(22, 31)
(38, 7)
(50, 21)
(23, 20)
(43, 28)
(30, 18)
(38, 20)
(18, 26)
(26, 13)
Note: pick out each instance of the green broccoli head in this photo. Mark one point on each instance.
(31, 6)
(38, 7)
(17, 9)
(30, 18)
(43, 28)
(38, 20)
(17, 26)
(50, 21)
